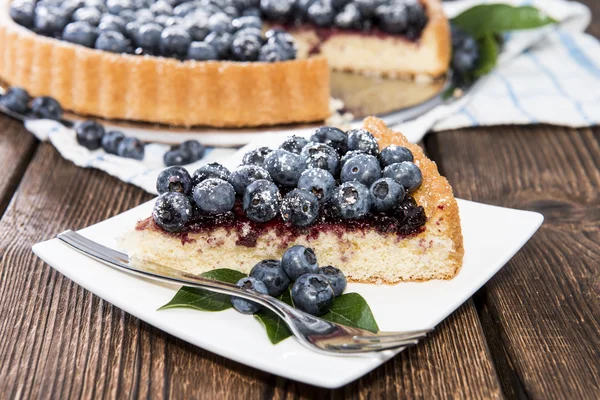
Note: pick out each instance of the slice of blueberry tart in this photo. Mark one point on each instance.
(221, 63)
(367, 201)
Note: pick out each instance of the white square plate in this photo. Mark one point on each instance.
(492, 235)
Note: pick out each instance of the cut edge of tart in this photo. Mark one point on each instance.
(162, 90)
(363, 252)
(428, 56)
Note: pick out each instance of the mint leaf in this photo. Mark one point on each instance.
(276, 329)
(498, 18)
(488, 54)
(200, 299)
(349, 309)
(352, 310)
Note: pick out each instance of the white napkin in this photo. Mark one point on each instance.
(548, 75)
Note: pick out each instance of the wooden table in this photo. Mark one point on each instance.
(531, 332)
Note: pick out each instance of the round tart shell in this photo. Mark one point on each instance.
(162, 90)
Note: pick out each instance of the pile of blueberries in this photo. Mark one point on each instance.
(92, 135)
(314, 289)
(207, 29)
(343, 172)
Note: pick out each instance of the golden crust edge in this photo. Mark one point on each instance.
(433, 193)
(266, 93)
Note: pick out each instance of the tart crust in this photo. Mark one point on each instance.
(162, 90)
(384, 54)
(367, 256)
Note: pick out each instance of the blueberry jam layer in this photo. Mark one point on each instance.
(405, 220)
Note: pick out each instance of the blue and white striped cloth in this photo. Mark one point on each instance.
(549, 75)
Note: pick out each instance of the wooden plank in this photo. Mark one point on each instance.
(16, 149)
(61, 341)
(542, 311)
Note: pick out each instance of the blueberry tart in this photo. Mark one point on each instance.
(400, 224)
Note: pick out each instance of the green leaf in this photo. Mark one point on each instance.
(488, 54)
(352, 310)
(499, 18)
(200, 299)
(349, 309)
(276, 329)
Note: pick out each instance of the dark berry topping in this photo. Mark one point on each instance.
(405, 173)
(386, 194)
(112, 41)
(363, 168)
(201, 51)
(174, 179)
(174, 41)
(256, 157)
(319, 182)
(245, 48)
(80, 32)
(320, 155)
(363, 140)
(261, 201)
(284, 167)
(212, 170)
(333, 137)
(214, 196)
(244, 175)
(352, 200)
(299, 208)
(172, 211)
(394, 154)
(294, 144)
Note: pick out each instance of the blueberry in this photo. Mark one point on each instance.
(321, 13)
(352, 200)
(336, 279)
(172, 211)
(348, 156)
(91, 15)
(16, 99)
(197, 26)
(299, 208)
(144, 16)
(111, 140)
(214, 196)
(349, 17)
(70, 6)
(220, 23)
(284, 167)
(363, 140)
(252, 12)
(247, 22)
(50, 20)
(131, 30)
(131, 147)
(112, 41)
(394, 154)
(417, 18)
(161, 7)
(46, 107)
(89, 134)
(333, 137)
(276, 9)
(183, 9)
(405, 173)
(246, 306)
(302, 6)
(272, 275)
(284, 39)
(294, 144)
(22, 12)
(313, 294)
(221, 43)
(465, 51)
(148, 36)
(175, 41)
(393, 18)
(320, 155)
(244, 175)
(299, 260)
(212, 170)
(175, 157)
(261, 201)
(363, 168)
(174, 179)
(367, 7)
(386, 193)
(80, 32)
(99, 4)
(117, 6)
(193, 150)
(201, 51)
(256, 156)
(112, 23)
(319, 182)
(272, 52)
(245, 48)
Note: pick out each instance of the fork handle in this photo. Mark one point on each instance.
(161, 273)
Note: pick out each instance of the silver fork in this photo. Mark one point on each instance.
(312, 332)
